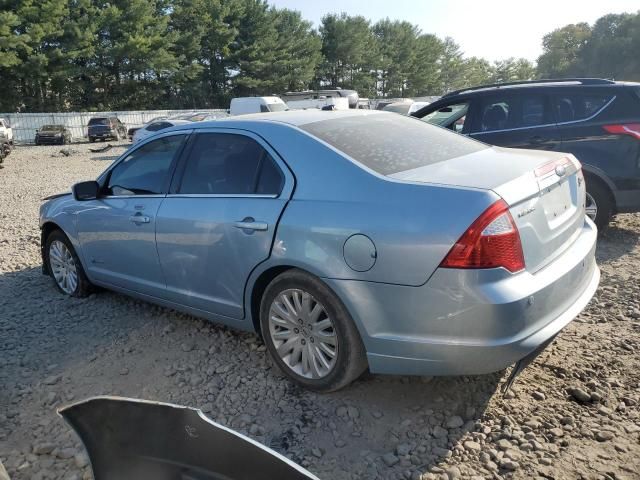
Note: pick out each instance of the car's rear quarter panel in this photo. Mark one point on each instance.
(413, 226)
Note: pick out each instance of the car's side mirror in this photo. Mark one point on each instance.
(86, 190)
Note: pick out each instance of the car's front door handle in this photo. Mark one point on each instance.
(250, 224)
(139, 219)
(536, 140)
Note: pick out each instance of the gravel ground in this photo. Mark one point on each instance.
(572, 414)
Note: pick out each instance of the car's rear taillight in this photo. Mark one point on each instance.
(491, 241)
(632, 129)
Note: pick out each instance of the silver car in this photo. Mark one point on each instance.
(348, 239)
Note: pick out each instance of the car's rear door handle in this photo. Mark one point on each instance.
(250, 224)
(139, 219)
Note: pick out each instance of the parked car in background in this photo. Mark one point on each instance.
(53, 134)
(6, 131)
(350, 239)
(4, 147)
(596, 120)
(350, 95)
(245, 105)
(132, 130)
(405, 107)
(155, 127)
(103, 128)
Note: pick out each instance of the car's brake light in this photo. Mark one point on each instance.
(632, 129)
(491, 241)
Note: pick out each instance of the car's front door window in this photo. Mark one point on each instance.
(145, 171)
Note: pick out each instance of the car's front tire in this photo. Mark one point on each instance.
(309, 333)
(65, 267)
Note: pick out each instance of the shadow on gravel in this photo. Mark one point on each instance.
(615, 242)
(389, 421)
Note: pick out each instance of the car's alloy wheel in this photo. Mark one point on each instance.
(591, 207)
(63, 267)
(303, 334)
(309, 332)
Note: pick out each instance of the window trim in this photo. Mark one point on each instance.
(285, 191)
(546, 125)
(103, 178)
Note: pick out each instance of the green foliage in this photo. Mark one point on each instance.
(561, 48)
(607, 49)
(134, 54)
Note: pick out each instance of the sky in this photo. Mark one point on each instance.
(492, 29)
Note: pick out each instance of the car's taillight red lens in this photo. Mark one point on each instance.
(632, 129)
(491, 241)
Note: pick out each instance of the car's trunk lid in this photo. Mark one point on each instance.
(545, 192)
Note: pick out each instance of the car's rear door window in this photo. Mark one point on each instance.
(573, 107)
(508, 112)
(389, 143)
(230, 164)
(145, 171)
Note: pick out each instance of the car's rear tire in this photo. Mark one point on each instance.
(309, 333)
(91, 139)
(64, 266)
(599, 204)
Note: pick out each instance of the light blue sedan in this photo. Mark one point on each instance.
(348, 239)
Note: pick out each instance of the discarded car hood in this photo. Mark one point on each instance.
(129, 439)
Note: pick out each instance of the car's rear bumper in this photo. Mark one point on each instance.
(471, 321)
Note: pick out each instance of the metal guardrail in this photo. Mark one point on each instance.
(24, 125)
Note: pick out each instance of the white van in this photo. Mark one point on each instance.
(244, 105)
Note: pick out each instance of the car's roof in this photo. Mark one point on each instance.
(529, 84)
(291, 117)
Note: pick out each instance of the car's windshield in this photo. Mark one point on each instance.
(99, 121)
(446, 115)
(51, 128)
(390, 143)
(277, 107)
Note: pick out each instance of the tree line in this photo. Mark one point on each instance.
(70, 55)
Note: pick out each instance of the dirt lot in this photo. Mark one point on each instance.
(573, 414)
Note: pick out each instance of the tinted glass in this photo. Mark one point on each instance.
(99, 121)
(154, 127)
(222, 163)
(146, 169)
(390, 143)
(270, 180)
(572, 107)
(532, 112)
(497, 114)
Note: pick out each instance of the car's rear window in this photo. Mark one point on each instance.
(99, 121)
(392, 143)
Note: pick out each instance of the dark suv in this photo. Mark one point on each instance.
(106, 127)
(596, 120)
